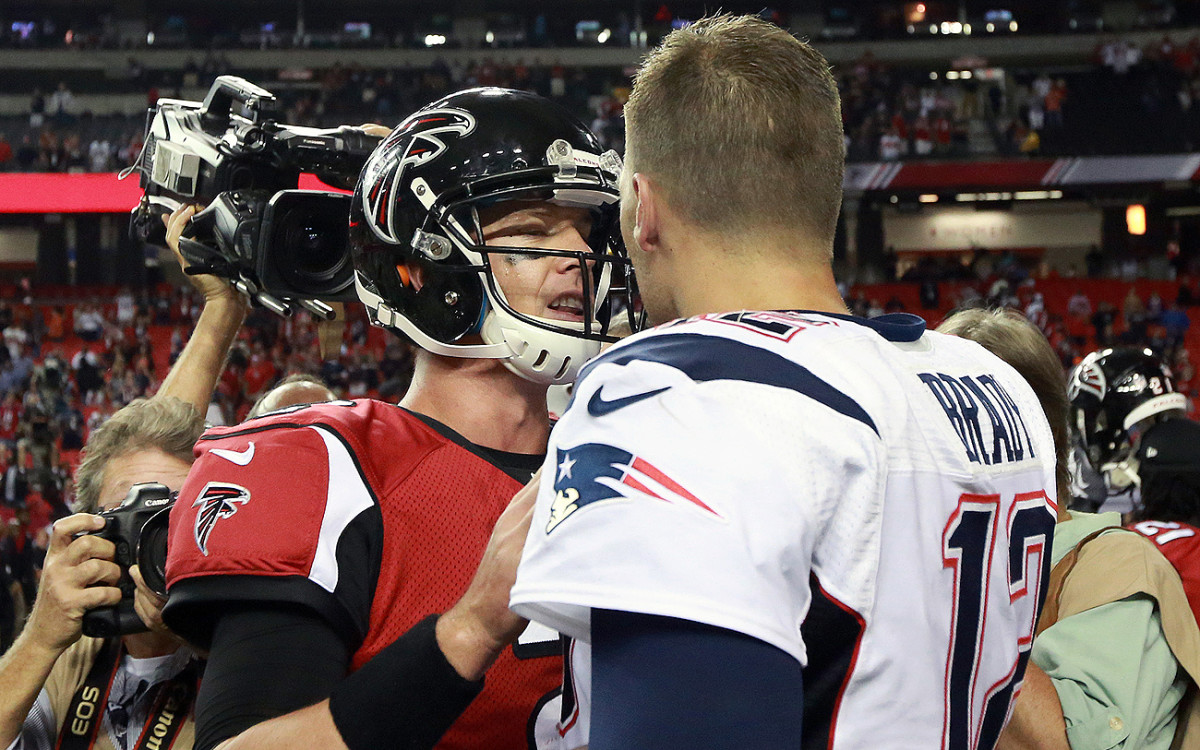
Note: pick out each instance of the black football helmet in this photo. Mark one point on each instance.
(1116, 395)
(417, 202)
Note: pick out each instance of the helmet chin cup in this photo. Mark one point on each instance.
(539, 356)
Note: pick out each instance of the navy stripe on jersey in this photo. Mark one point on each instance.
(898, 327)
(833, 633)
(705, 358)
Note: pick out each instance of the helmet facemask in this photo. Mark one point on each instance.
(1116, 396)
(418, 212)
(544, 349)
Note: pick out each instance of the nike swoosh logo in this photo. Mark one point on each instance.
(598, 406)
(241, 458)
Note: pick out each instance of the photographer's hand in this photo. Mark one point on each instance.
(74, 565)
(194, 375)
(70, 586)
(149, 605)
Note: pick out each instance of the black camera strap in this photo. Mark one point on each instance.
(172, 705)
(82, 722)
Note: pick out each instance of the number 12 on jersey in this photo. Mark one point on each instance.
(980, 678)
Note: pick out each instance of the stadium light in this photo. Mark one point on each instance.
(927, 198)
(490, 37)
(603, 36)
(1135, 219)
(991, 27)
(434, 40)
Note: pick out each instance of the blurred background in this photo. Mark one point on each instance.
(1040, 155)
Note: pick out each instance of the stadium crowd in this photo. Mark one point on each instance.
(316, 615)
(889, 113)
(67, 365)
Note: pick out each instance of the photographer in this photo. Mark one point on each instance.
(117, 693)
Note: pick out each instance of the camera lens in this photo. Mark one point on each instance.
(152, 551)
(315, 245)
(309, 245)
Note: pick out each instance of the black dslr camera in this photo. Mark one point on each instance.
(138, 528)
(282, 246)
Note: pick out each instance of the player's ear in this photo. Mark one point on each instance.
(648, 214)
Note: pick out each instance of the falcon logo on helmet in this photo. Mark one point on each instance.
(1115, 396)
(217, 500)
(1088, 378)
(421, 136)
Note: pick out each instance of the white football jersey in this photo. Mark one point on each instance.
(873, 499)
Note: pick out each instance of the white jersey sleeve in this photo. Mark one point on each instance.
(691, 457)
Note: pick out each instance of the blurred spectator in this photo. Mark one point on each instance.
(1176, 323)
(89, 323)
(1102, 322)
(6, 154)
(61, 104)
(1133, 311)
(37, 109)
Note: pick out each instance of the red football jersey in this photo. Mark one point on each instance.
(1179, 543)
(369, 515)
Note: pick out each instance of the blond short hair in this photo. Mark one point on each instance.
(740, 124)
(168, 424)
(1010, 336)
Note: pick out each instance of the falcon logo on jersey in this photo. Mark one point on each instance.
(217, 500)
(1088, 378)
(594, 472)
(383, 177)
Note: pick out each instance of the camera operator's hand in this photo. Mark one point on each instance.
(379, 131)
(194, 375)
(71, 582)
(212, 287)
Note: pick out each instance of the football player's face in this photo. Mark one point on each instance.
(136, 467)
(545, 286)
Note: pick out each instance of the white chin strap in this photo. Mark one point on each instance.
(538, 355)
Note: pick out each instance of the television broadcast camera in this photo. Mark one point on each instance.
(281, 246)
(138, 529)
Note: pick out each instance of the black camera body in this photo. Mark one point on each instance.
(233, 142)
(292, 243)
(138, 529)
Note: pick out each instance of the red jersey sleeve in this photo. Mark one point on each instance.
(275, 511)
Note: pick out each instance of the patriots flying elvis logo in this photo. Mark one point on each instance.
(217, 500)
(594, 472)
